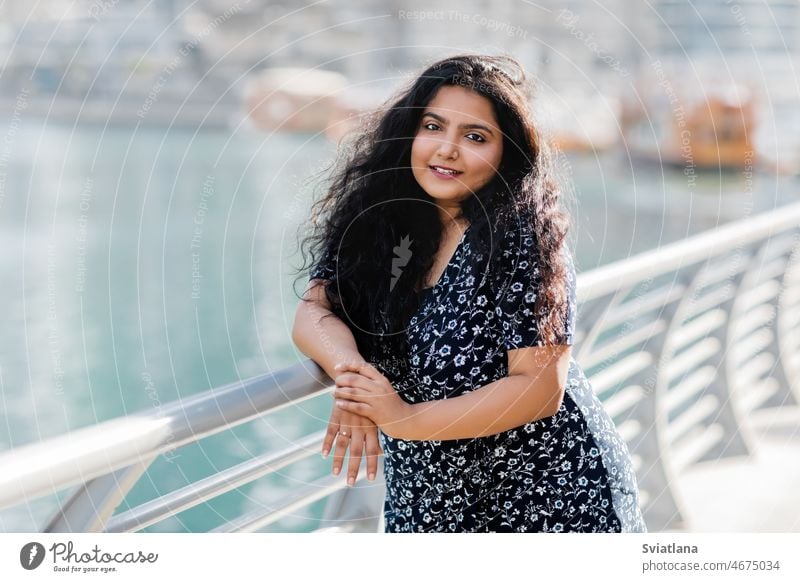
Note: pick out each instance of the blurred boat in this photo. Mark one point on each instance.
(293, 99)
(315, 101)
(350, 107)
(711, 130)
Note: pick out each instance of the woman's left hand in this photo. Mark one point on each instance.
(363, 390)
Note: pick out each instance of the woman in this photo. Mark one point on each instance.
(444, 308)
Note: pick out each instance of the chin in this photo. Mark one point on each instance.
(444, 196)
(436, 191)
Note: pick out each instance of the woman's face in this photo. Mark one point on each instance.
(458, 147)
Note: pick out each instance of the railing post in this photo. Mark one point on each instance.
(788, 390)
(789, 320)
(94, 502)
(356, 509)
(726, 434)
(664, 508)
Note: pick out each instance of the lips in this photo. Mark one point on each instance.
(444, 171)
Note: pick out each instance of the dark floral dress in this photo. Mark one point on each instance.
(570, 472)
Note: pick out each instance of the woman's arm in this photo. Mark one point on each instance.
(533, 392)
(534, 389)
(325, 338)
(319, 334)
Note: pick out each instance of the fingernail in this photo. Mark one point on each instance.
(325, 453)
(340, 404)
(351, 481)
(336, 470)
(372, 476)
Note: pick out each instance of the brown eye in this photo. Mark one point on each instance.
(477, 135)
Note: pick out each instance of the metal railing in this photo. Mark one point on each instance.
(682, 344)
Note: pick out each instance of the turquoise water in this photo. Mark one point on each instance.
(141, 266)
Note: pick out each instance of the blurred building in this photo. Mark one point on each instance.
(726, 28)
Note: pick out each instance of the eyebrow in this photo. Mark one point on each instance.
(463, 125)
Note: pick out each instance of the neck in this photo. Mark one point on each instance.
(451, 217)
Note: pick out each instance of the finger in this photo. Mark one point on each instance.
(353, 380)
(364, 368)
(373, 450)
(342, 442)
(330, 433)
(352, 394)
(356, 450)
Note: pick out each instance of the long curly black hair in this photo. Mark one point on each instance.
(373, 203)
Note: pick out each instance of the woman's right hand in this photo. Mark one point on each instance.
(362, 434)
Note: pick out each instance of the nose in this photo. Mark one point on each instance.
(447, 149)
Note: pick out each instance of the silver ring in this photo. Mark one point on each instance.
(343, 433)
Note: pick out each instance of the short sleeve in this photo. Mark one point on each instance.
(516, 294)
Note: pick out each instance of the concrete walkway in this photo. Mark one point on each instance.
(756, 494)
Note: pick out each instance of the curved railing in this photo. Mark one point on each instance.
(682, 345)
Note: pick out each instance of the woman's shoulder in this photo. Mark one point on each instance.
(515, 236)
